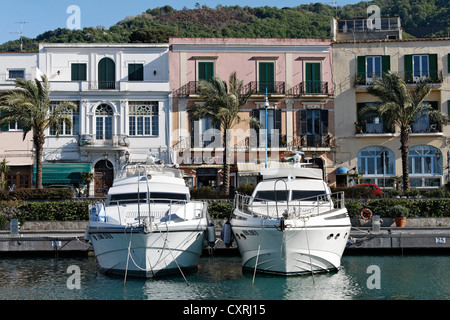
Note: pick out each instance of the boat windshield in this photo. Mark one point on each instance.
(155, 197)
(310, 195)
(280, 195)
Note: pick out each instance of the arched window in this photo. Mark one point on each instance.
(425, 166)
(376, 161)
(106, 74)
(375, 165)
(103, 122)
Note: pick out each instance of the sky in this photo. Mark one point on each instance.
(44, 15)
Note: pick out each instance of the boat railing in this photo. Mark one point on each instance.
(295, 208)
(155, 209)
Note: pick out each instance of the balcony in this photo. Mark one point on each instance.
(310, 88)
(435, 78)
(115, 141)
(258, 87)
(372, 129)
(310, 142)
(102, 85)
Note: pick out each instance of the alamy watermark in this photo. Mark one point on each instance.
(74, 280)
(74, 20)
(374, 280)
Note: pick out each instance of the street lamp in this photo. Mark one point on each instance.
(266, 105)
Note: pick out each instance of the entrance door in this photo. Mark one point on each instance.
(106, 74)
(103, 178)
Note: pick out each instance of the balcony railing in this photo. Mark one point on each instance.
(363, 79)
(309, 88)
(89, 140)
(102, 85)
(310, 141)
(256, 87)
(259, 87)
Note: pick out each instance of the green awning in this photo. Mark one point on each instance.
(60, 172)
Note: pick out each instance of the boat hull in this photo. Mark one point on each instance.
(294, 249)
(147, 254)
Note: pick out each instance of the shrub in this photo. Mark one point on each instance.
(207, 193)
(220, 209)
(398, 211)
(36, 194)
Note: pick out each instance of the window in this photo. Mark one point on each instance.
(375, 161)
(421, 66)
(79, 71)
(422, 123)
(370, 67)
(143, 118)
(65, 129)
(266, 77)
(273, 126)
(205, 70)
(313, 127)
(106, 74)
(371, 122)
(103, 122)
(313, 78)
(425, 160)
(16, 73)
(135, 72)
(373, 68)
(425, 166)
(205, 133)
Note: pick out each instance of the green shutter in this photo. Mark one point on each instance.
(385, 63)
(135, 72)
(266, 77)
(5, 126)
(448, 63)
(205, 70)
(303, 122)
(408, 68)
(106, 74)
(448, 110)
(324, 122)
(313, 79)
(361, 70)
(433, 66)
(79, 72)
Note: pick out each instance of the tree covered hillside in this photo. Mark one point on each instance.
(420, 18)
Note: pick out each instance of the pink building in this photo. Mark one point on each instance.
(297, 76)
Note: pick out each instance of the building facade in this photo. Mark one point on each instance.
(297, 76)
(123, 116)
(367, 147)
(16, 149)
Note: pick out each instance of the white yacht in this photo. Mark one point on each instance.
(148, 226)
(291, 224)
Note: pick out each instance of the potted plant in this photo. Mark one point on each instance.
(399, 213)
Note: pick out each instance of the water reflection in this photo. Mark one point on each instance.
(402, 277)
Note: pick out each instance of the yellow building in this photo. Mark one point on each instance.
(368, 146)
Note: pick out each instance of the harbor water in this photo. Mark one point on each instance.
(377, 277)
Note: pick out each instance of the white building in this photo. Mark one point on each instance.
(122, 91)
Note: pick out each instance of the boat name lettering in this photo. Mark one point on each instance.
(250, 232)
(440, 240)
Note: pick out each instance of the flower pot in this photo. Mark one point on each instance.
(400, 222)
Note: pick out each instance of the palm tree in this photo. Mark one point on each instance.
(399, 106)
(29, 104)
(4, 169)
(222, 104)
(87, 177)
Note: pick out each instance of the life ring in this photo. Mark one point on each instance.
(366, 214)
